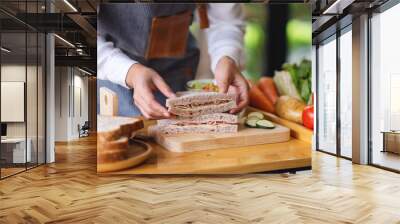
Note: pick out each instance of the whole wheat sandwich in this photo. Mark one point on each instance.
(199, 113)
(208, 123)
(195, 104)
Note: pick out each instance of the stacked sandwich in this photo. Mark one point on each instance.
(113, 135)
(199, 113)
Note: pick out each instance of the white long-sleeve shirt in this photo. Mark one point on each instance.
(224, 37)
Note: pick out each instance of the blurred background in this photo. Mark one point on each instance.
(266, 27)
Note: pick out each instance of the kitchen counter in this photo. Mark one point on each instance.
(281, 157)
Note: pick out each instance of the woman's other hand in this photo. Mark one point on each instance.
(144, 82)
(230, 79)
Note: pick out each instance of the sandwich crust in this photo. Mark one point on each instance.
(112, 151)
(112, 128)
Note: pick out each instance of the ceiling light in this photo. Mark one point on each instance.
(84, 71)
(5, 50)
(65, 41)
(337, 7)
(70, 5)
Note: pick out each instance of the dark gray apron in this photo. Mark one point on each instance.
(128, 26)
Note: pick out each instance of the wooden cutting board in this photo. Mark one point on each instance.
(244, 137)
(138, 152)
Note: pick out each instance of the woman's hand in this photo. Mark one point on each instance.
(144, 82)
(229, 79)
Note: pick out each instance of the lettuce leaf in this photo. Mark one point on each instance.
(299, 84)
(284, 84)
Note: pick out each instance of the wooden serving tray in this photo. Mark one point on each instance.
(138, 151)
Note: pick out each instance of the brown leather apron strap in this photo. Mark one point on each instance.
(202, 10)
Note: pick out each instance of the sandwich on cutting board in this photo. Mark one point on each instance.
(199, 113)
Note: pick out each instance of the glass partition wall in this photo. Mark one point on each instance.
(334, 94)
(334, 88)
(345, 90)
(13, 85)
(326, 90)
(22, 77)
(385, 89)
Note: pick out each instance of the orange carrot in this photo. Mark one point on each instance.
(259, 100)
(268, 87)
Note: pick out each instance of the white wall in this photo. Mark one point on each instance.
(81, 84)
(33, 126)
(61, 104)
(71, 87)
(12, 73)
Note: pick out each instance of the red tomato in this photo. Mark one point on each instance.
(308, 117)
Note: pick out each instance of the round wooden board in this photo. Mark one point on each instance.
(139, 151)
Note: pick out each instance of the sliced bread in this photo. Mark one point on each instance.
(216, 118)
(199, 97)
(192, 129)
(110, 128)
(112, 151)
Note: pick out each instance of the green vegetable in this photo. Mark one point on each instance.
(296, 82)
(197, 85)
(252, 123)
(304, 69)
(256, 115)
(305, 90)
(292, 69)
(285, 85)
(265, 124)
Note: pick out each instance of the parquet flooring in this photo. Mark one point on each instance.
(70, 191)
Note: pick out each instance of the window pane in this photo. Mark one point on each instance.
(346, 94)
(41, 99)
(31, 98)
(385, 86)
(13, 85)
(327, 96)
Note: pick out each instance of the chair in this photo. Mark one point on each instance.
(84, 130)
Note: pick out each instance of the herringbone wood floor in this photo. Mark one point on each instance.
(70, 191)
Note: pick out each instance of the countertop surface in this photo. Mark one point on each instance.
(250, 159)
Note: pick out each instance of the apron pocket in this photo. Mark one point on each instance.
(168, 36)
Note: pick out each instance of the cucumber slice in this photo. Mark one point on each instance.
(265, 124)
(253, 118)
(256, 114)
(251, 123)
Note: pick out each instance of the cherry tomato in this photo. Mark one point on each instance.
(308, 117)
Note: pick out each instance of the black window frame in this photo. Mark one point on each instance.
(334, 33)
